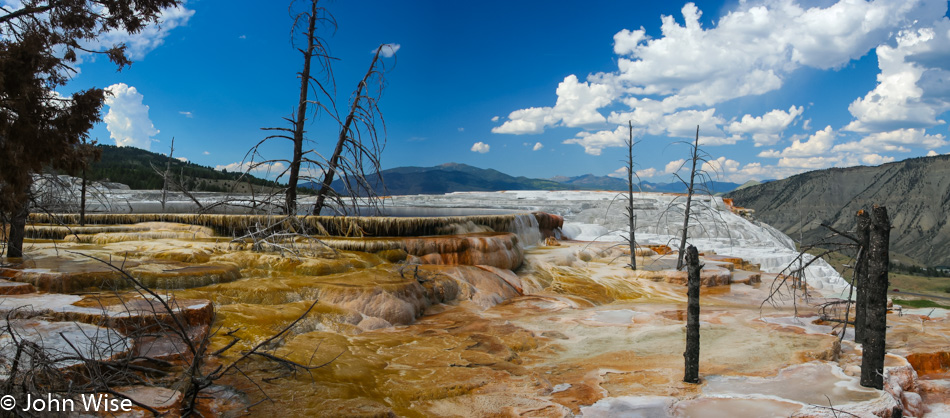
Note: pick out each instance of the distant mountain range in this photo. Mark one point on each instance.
(133, 166)
(916, 193)
(455, 177)
(447, 178)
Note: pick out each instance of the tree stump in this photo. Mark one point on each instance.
(872, 361)
(692, 317)
(861, 275)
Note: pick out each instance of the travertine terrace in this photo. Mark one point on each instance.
(488, 318)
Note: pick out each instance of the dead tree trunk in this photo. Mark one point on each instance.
(82, 199)
(872, 361)
(168, 168)
(689, 200)
(18, 229)
(290, 205)
(345, 135)
(691, 374)
(861, 275)
(631, 217)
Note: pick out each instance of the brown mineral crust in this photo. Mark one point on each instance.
(126, 314)
(934, 392)
(709, 277)
(167, 402)
(549, 224)
(72, 282)
(930, 363)
(746, 277)
(501, 250)
(153, 274)
(497, 249)
(15, 288)
(660, 249)
(169, 346)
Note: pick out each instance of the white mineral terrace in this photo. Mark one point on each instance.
(600, 216)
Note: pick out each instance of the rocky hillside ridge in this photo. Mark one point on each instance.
(916, 193)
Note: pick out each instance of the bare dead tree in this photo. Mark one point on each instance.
(99, 362)
(359, 140)
(168, 168)
(288, 236)
(691, 355)
(870, 278)
(305, 26)
(171, 182)
(631, 215)
(356, 155)
(315, 47)
(696, 157)
(88, 152)
(180, 184)
(689, 198)
(82, 200)
(863, 236)
(872, 359)
(792, 280)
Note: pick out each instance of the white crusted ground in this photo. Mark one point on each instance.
(600, 216)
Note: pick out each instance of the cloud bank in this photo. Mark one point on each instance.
(667, 85)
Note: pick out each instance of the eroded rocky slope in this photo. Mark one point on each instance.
(915, 191)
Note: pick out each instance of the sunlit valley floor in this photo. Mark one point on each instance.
(481, 322)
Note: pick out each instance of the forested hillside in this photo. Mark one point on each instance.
(133, 167)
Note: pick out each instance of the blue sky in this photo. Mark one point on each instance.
(546, 88)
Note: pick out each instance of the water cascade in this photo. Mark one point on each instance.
(338, 226)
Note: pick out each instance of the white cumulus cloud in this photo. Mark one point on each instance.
(894, 141)
(720, 167)
(127, 120)
(817, 144)
(674, 166)
(576, 105)
(537, 146)
(594, 142)
(480, 147)
(808, 163)
(875, 159)
(646, 173)
(900, 101)
(752, 48)
(387, 50)
(766, 129)
(270, 170)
